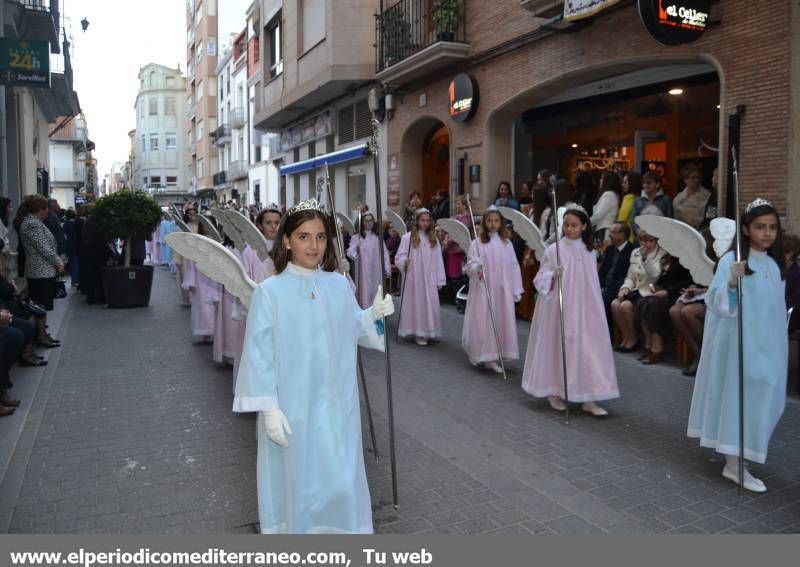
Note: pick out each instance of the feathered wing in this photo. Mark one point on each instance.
(346, 223)
(396, 221)
(215, 261)
(227, 226)
(180, 224)
(457, 231)
(251, 235)
(176, 209)
(527, 230)
(210, 230)
(724, 231)
(683, 242)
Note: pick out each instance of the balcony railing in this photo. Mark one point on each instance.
(238, 118)
(67, 175)
(237, 170)
(220, 178)
(40, 21)
(409, 26)
(221, 135)
(193, 147)
(190, 36)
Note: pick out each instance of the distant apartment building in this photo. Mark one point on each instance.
(72, 170)
(160, 146)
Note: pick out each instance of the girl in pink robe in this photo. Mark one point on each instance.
(590, 363)
(205, 296)
(364, 250)
(419, 259)
(493, 258)
(227, 330)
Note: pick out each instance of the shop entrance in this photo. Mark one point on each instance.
(435, 162)
(424, 159)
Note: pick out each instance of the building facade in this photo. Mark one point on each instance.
(317, 66)
(160, 139)
(513, 86)
(72, 169)
(201, 94)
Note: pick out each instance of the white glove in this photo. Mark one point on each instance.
(276, 426)
(480, 262)
(737, 271)
(558, 271)
(382, 305)
(344, 266)
(517, 298)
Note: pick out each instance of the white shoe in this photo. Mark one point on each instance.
(594, 409)
(494, 367)
(421, 342)
(557, 403)
(751, 483)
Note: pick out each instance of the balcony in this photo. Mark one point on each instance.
(419, 37)
(238, 118)
(190, 36)
(221, 135)
(220, 179)
(238, 170)
(40, 21)
(543, 8)
(67, 175)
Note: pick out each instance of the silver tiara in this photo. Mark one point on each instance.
(577, 207)
(273, 207)
(309, 205)
(491, 209)
(757, 203)
(421, 211)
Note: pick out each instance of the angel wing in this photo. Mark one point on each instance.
(250, 234)
(176, 209)
(724, 231)
(681, 241)
(215, 261)
(210, 230)
(458, 232)
(180, 224)
(230, 230)
(346, 223)
(396, 221)
(525, 227)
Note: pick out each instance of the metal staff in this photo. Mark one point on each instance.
(488, 296)
(561, 306)
(340, 246)
(739, 318)
(404, 275)
(374, 149)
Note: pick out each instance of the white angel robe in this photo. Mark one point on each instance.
(714, 414)
(303, 328)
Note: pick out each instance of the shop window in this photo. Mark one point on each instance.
(356, 188)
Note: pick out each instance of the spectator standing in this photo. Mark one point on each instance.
(440, 206)
(607, 207)
(585, 191)
(411, 207)
(631, 189)
(653, 201)
(71, 232)
(690, 204)
(505, 196)
(53, 222)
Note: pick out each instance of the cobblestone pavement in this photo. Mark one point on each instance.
(134, 434)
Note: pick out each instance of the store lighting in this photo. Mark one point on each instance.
(676, 92)
(717, 107)
(574, 145)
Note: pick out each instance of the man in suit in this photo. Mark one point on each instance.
(614, 268)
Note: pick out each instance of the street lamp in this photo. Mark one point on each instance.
(84, 24)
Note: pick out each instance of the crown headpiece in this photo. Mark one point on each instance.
(491, 209)
(577, 207)
(421, 211)
(757, 203)
(309, 205)
(273, 207)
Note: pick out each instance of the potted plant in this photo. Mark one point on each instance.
(395, 35)
(132, 216)
(445, 19)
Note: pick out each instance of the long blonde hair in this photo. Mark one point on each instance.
(415, 239)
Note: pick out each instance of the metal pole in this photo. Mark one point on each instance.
(403, 274)
(375, 151)
(3, 140)
(739, 317)
(488, 296)
(561, 305)
(366, 402)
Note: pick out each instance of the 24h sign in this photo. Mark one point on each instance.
(24, 63)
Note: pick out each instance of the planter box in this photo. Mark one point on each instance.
(128, 287)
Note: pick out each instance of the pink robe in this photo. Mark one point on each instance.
(226, 329)
(504, 280)
(366, 254)
(205, 296)
(155, 246)
(590, 363)
(420, 315)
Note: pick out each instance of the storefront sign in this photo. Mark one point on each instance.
(24, 63)
(314, 128)
(579, 9)
(463, 97)
(674, 22)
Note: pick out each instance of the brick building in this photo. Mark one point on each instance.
(593, 92)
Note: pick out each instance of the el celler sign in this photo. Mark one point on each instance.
(463, 97)
(24, 63)
(675, 22)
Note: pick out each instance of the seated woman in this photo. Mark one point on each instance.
(652, 312)
(645, 269)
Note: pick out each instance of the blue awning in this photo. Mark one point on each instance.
(339, 156)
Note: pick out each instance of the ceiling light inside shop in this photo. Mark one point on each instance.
(676, 91)
(717, 107)
(574, 145)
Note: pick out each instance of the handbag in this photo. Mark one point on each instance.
(30, 306)
(61, 289)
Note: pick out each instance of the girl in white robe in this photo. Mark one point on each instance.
(298, 370)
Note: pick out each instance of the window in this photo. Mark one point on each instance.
(144, 148)
(257, 192)
(155, 180)
(153, 142)
(169, 106)
(275, 59)
(170, 82)
(170, 141)
(200, 168)
(141, 107)
(355, 122)
(199, 51)
(313, 23)
(172, 180)
(153, 105)
(257, 153)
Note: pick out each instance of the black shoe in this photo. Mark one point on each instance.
(691, 371)
(634, 348)
(32, 362)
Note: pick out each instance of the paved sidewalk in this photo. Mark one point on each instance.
(134, 434)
